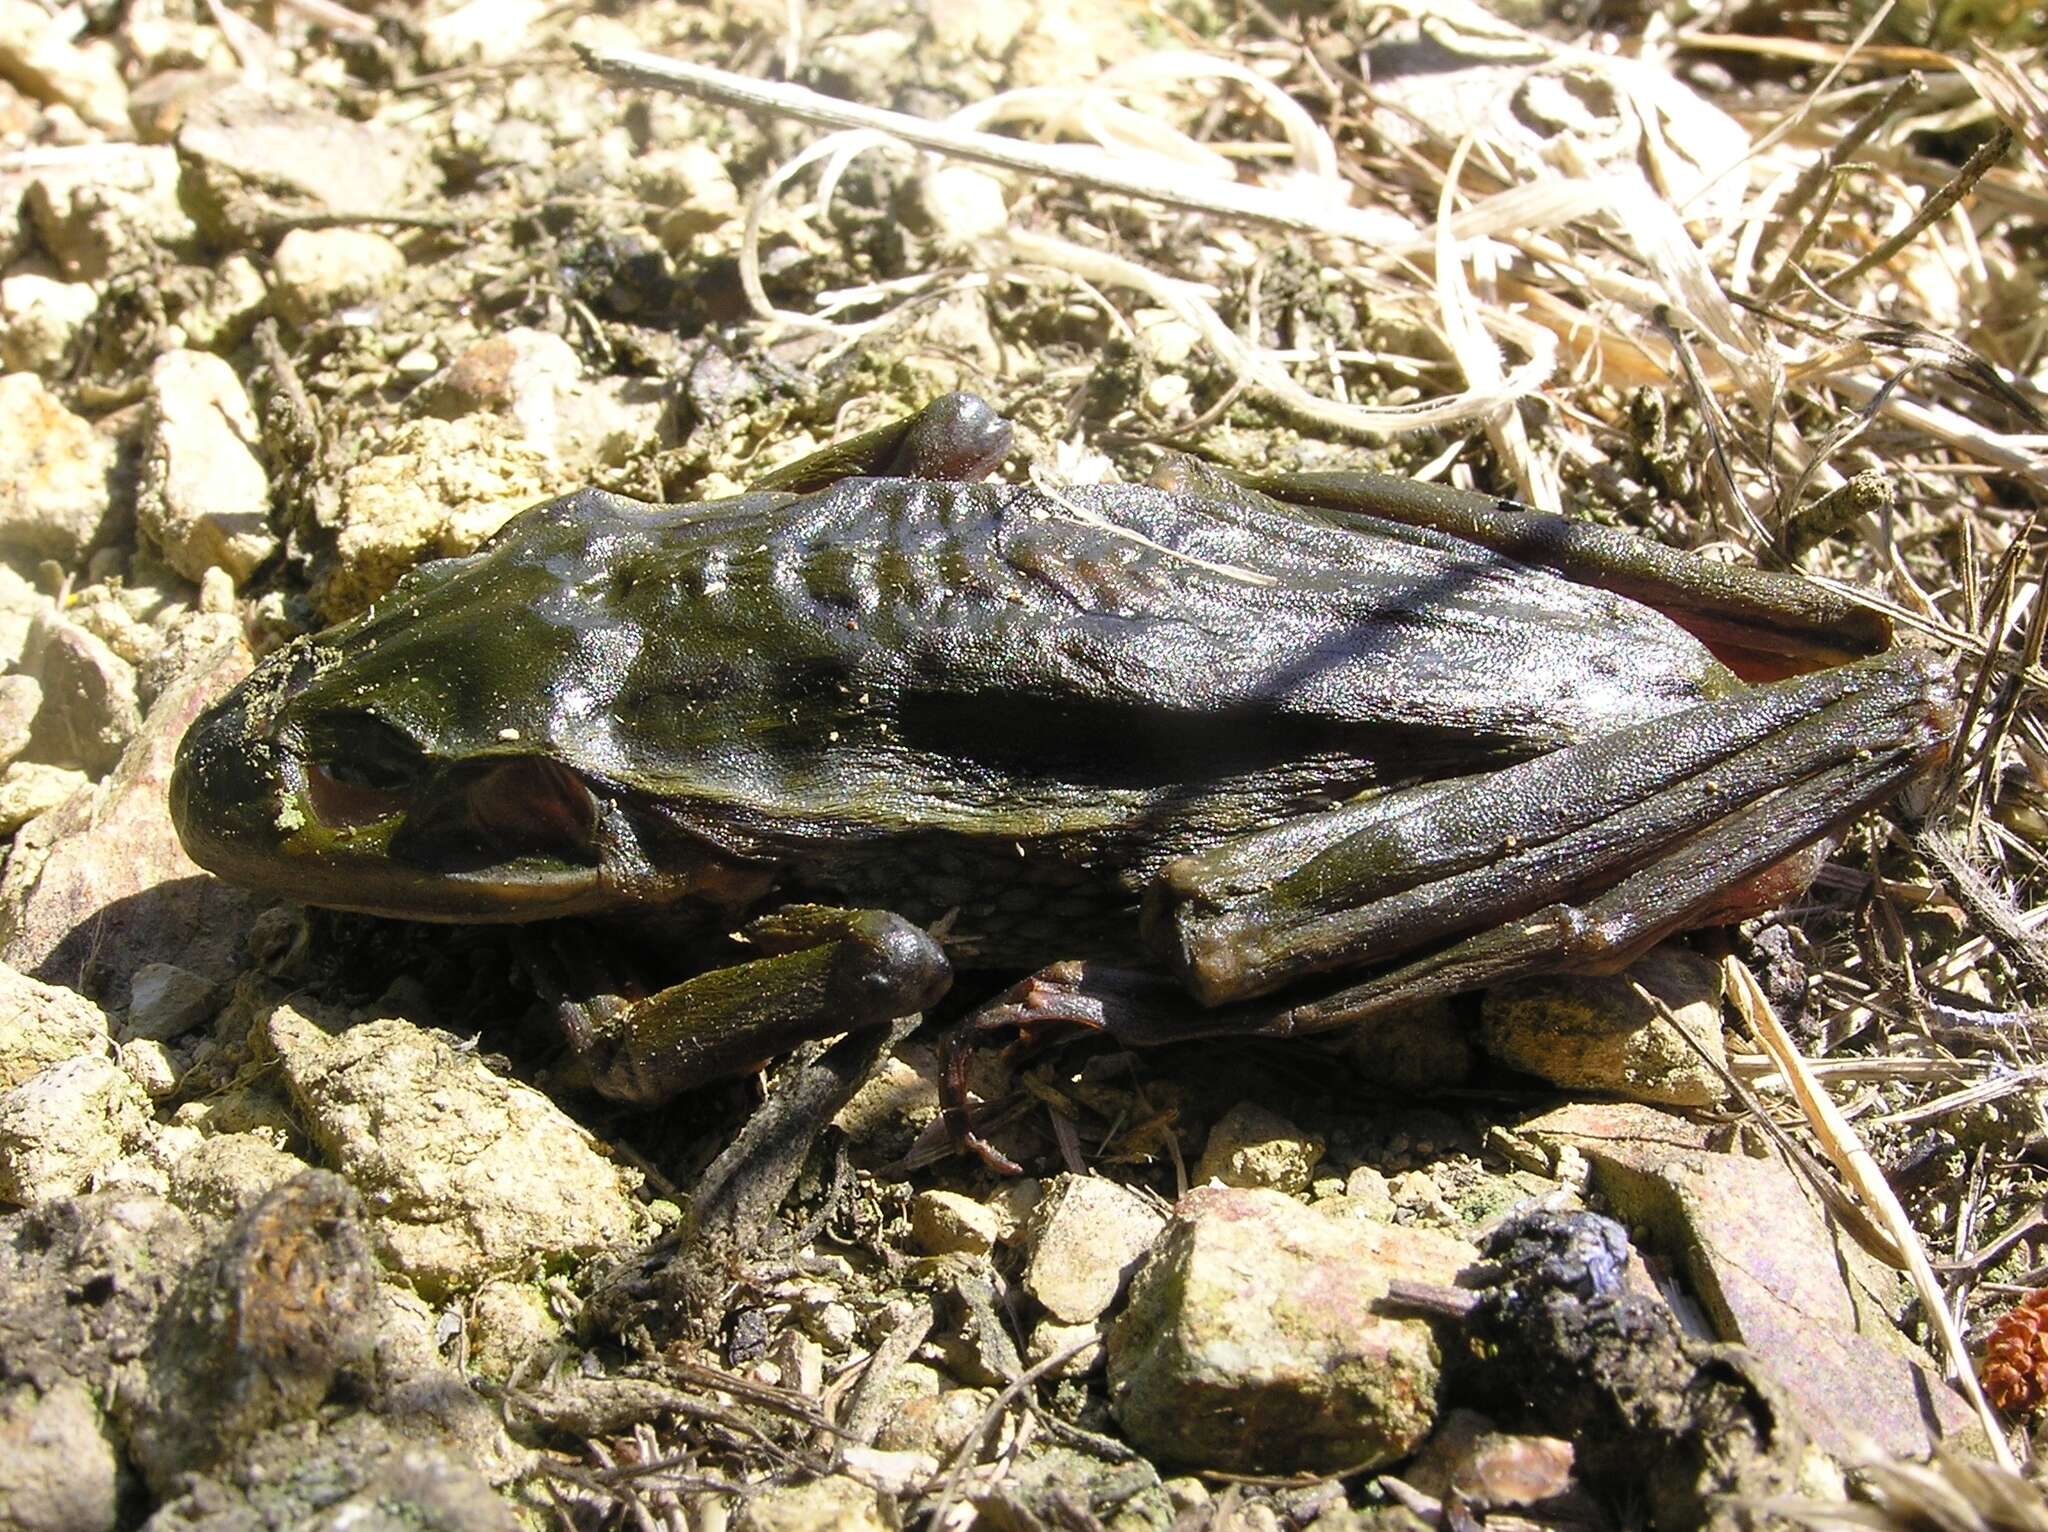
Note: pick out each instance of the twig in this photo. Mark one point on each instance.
(1945, 197)
(1839, 1141)
(1075, 164)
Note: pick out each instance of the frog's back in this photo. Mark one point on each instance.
(889, 655)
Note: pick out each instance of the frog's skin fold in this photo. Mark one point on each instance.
(881, 683)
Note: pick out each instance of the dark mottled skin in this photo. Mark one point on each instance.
(945, 672)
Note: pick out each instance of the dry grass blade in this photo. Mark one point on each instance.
(1839, 1141)
(1951, 1494)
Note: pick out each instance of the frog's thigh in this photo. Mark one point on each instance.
(827, 970)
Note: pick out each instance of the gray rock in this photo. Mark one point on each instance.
(37, 56)
(535, 380)
(1085, 1238)
(45, 1025)
(943, 1222)
(90, 708)
(60, 1470)
(44, 323)
(166, 1001)
(30, 789)
(228, 308)
(259, 1331)
(109, 210)
(99, 886)
(152, 1066)
(204, 497)
(226, 1174)
(56, 494)
(1054, 1337)
(316, 272)
(1594, 1032)
(436, 489)
(81, 1283)
(469, 1174)
(1253, 1146)
(361, 1473)
(64, 1125)
(21, 698)
(1252, 1339)
(830, 1504)
(249, 158)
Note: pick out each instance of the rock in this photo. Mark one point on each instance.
(1252, 1146)
(29, 789)
(361, 1473)
(90, 710)
(507, 1323)
(965, 205)
(1052, 1337)
(691, 185)
(1086, 1236)
(1252, 1340)
(248, 158)
(64, 1125)
(110, 210)
(467, 1174)
(152, 1066)
(535, 380)
(1488, 1468)
(833, 1503)
(259, 1331)
(99, 886)
(521, 375)
(166, 1001)
(943, 1222)
(60, 1470)
(44, 323)
(1593, 1032)
(204, 497)
(226, 1174)
(437, 490)
(158, 103)
(36, 55)
(81, 1283)
(45, 1025)
(21, 698)
(479, 32)
(56, 494)
(316, 272)
(1769, 1272)
(228, 308)
(427, 1398)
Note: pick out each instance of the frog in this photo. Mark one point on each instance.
(1300, 748)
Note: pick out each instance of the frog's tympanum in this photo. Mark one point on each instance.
(1267, 730)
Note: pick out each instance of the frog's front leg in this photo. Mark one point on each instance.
(822, 971)
(1579, 859)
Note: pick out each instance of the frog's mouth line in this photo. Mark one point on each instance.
(510, 838)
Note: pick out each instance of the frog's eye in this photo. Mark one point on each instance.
(359, 769)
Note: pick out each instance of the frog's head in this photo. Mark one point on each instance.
(450, 754)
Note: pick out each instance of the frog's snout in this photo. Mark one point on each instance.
(224, 789)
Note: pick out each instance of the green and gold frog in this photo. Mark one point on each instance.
(1314, 745)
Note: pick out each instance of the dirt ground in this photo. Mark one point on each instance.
(310, 1215)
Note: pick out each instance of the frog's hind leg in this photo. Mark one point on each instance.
(1760, 624)
(1580, 859)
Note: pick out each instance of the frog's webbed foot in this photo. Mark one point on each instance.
(821, 971)
(1580, 859)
